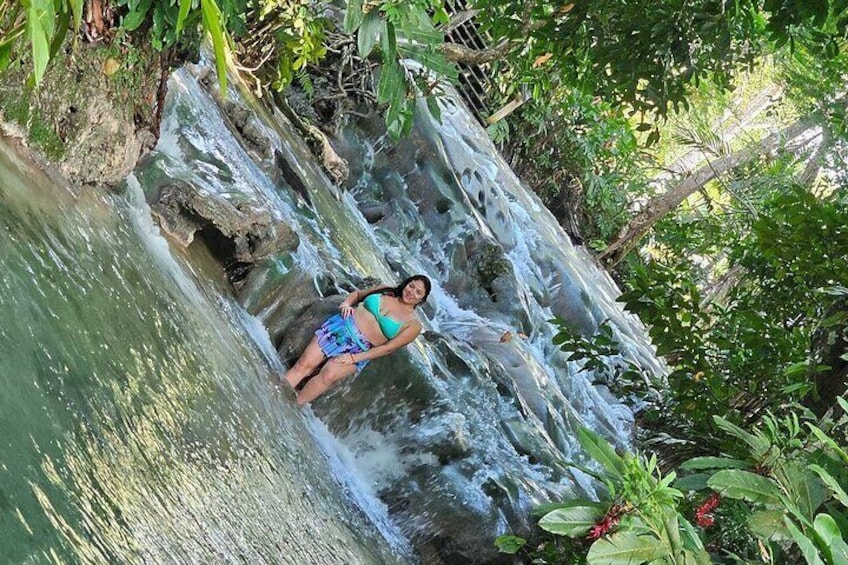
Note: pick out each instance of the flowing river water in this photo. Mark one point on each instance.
(142, 419)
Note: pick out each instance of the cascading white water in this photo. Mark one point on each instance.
(472, 416)
(450, 442)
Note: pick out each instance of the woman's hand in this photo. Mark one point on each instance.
(345, 359)
(345, 310)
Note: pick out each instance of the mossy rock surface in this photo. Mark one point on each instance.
(93, 115)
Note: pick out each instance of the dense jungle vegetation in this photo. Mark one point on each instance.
(698, 148)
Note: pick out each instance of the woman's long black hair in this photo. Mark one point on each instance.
(397, 291)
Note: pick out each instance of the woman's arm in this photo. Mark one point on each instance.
(406, 335)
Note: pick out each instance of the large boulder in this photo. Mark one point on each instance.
(237, 234)
(94, 114)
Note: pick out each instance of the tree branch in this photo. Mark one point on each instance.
(657, 208)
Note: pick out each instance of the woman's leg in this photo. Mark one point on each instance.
(308, 362)
(330, 374)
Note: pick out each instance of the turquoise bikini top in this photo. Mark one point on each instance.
(389, 327)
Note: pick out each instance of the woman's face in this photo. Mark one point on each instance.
(414, 292)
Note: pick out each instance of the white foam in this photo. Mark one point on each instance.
(363, 474)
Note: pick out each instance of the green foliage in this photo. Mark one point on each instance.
(793, 485)
(509, 544)
(577, 152)
(401, 30)
(300, 35)
(645, 55)
(780, 498)
(637, 521)
(45, 24)
(599, 354)
(748, 347)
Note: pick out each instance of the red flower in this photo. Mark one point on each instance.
(704, 521)
(607, 523)
(703, 514)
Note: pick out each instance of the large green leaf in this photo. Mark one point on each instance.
(369, 33)
(734, 483)
(40, 17)
(701, 463)
(601, 451)
(185, 6)
(436, 62)
(416, 25)
(758, 444)
(509, 544)
(843, 403)
(573, 522)
(768, 524)
(213, 21)
(5, 55)
(672, 531)
(808, 548)
(825, 439)
(626, 548)
(388, 43)
(353, 16)
(76, 9)
(828, 530)
(691, 539)
(136, 16)
(549, 507)
(831, 483)
(804, 488)
(391, 87)
(62, 22)
(696, 481)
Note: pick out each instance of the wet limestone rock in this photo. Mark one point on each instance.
(242, 233)
(248, 127)
(483, 278)
(335, 166)
(94, 114)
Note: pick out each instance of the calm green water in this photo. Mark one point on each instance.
(139, 422)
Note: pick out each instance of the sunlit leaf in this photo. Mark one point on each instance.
(574, 521)
(213, 23)
(185, 6)
(601, 451)
(369, 33)
(626, 548)
(40, 24)
(734, 483)
(828, 530)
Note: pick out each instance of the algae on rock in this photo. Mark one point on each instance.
(94, 114)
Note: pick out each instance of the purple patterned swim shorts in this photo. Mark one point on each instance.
(340, 335)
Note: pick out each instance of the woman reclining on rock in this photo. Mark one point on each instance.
(371, 323)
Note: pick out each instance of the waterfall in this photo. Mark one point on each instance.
(162, 427)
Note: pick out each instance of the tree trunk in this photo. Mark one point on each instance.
(719, 289)
(814, 165)
(657, 208)
(459, 53)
